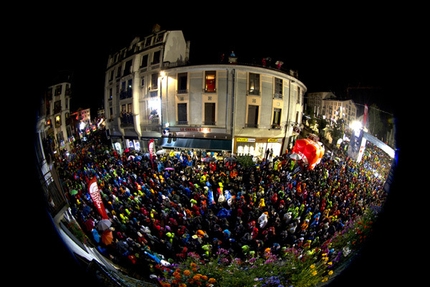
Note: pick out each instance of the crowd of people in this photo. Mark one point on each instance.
(164, 206)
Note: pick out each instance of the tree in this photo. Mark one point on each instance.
(322, 123)
(375, 123)
(337, 131)
(309, 117)
(245, 161)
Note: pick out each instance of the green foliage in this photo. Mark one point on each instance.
(355, 233)
(297, 267)
(336, 132)
(245, 161)
(76, 230)
(322, 124)
(375, 123)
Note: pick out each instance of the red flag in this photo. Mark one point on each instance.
(151, 151)
(93, 189)
(365, 116)
(151, 147)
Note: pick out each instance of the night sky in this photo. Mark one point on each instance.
(331, 47)
(345, 53)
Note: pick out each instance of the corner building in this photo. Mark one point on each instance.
(152, 92)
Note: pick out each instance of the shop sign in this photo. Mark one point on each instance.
(249, 140)
(202, 130)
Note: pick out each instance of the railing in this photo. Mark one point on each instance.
(153, 121)
(126, 94)
(151, 125)
(127, 125)
(182, 91)
(277, 96)
(254, 92)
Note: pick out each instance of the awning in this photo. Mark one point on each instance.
(131, 134)
(128, 133)
(114, 133)
(206, 144)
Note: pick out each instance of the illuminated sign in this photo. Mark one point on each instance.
(250, 140)
(202, 130)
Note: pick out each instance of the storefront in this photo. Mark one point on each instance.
(197, 143)
(258, 146)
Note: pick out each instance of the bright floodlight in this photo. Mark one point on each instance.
(355, 125)
(82, 126)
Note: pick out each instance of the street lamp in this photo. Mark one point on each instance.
(162, 75)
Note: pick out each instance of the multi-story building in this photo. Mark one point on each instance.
(153, 94)
(327, 105)
(54, 117)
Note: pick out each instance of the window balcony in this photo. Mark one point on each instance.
(127, 125)
(155, 66)
(151, 125)
(254, 92)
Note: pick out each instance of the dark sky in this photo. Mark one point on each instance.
(330, 50)
(331, 47)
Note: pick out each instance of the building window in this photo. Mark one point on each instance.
(49, 95)
(148, 41)
(126, 115)
(182, 83)
(111, 75)
(252, 116)
(127, 69)
(118, 72)
(154, 81)
(129, 88)
(210, 81)
(58, 90)
(57, 106)
(182, 114)
(278, 88)
(297, 116)
(142, 82)
(123, 93)
(60, 137)
(254, 84)
(69, 131)
(110, 94)
(276, 123)
(157, 57)
(209, 114)
(57, 121)
(144, 61)
(159, 38)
